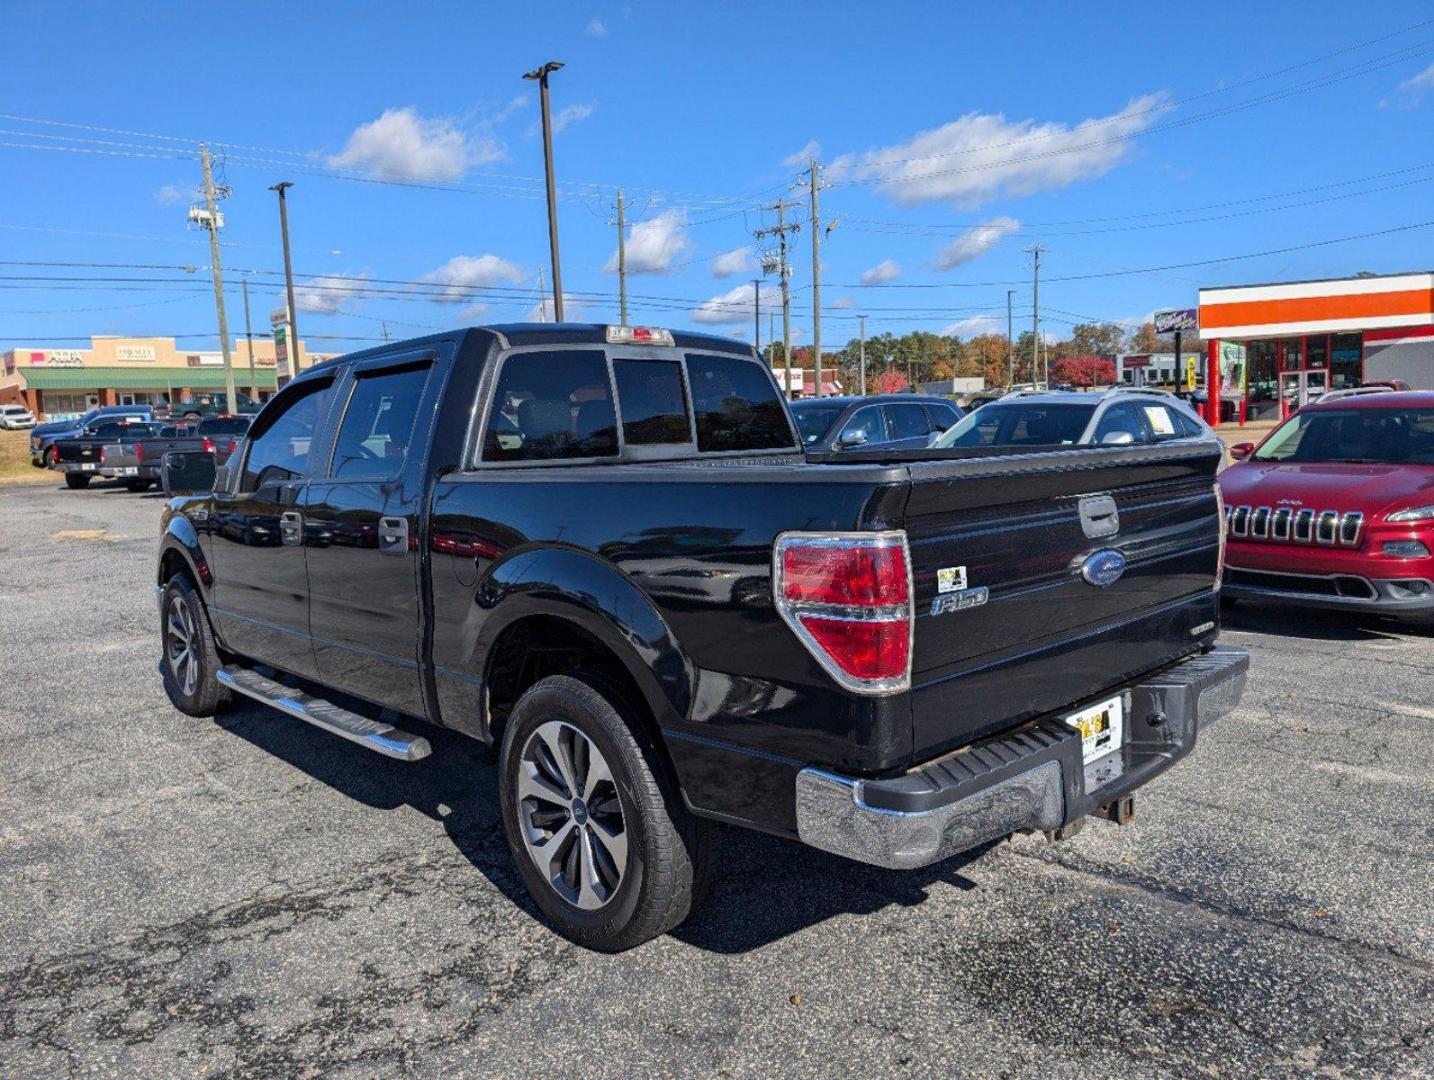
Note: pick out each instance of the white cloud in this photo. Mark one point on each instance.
(803, 156)
(732, 262)
(1417, 83)
(735, 307)
(169, 195)
(974, 242)
(844, 303)
(460, 275)
(596, 28)
(518, 102)
(881, 273)
(472, 313)
(562, 118)
(983, 156)
(402, 145)
(327, 295)
(974, 326)
(542, 311)
(653, 246)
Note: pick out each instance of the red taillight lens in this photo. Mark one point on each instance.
(208, 446)
(233, 445)
(831, 574)
(139, 451)
(848, 598)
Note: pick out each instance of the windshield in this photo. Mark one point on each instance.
(813, 421)
(1371, 436)
(1013, 424)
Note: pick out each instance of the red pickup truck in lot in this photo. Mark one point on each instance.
(1335, 508)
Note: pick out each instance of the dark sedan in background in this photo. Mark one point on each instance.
(895, 421)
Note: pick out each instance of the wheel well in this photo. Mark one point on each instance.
(171, 563)
(541, 645)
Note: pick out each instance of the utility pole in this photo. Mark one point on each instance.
(541, 75)
(542, 299)
(383, 324)
(249, 337)
(816, 277)
(784, 269)
(1035, 251)
(621, 259)
(210, 220)
(1010, 344)
(282, 187)
(757, 313)
(861, 321)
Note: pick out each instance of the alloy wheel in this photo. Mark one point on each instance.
(182, 645)
(571, 816)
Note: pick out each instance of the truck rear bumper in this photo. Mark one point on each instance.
(1029, 778)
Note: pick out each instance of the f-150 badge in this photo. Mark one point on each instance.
(960, 601)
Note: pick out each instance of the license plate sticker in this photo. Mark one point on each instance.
(128, 470)
(1101, 727)
(87, 466)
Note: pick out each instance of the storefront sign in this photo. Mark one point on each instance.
(58, 358)
(1136, 361)
(1183, 319)
(1190, 372)
(1232, 366)
(134, 353)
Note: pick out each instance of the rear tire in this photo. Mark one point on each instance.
(594, 821)
(137, 486)
(76, 481)
(191, 660)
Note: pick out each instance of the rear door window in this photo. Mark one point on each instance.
(908, 421)
(736, 405)
(942, 416)
(1120, 423)
(552, 406)
(379, 423)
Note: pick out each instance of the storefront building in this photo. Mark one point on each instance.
(1271, 348)
(55, 383)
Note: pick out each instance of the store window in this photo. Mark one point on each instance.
(1264, 378)
(1292, 354)
(1346, 352)
(1316, 351)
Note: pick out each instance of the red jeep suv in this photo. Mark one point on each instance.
(1335, 508)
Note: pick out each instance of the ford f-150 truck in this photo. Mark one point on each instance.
(140, 462)
(603, 550)
(78, 456)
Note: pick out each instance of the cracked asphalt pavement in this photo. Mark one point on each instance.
(249, 897)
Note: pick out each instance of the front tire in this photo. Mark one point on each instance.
(77, 481)
(594, 820)
(191, 660)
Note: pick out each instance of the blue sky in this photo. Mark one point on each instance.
(953, 137)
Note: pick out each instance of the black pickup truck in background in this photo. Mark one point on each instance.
(77, 457)
(140, 462)
(603, 549)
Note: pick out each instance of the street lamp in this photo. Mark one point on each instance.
(541, 75)
(281, 187)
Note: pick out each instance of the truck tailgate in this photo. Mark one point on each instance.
(1042, 636)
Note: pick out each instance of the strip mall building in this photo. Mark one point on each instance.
(132, 371)
(1274, 347)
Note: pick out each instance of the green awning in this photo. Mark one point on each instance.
(209, 377)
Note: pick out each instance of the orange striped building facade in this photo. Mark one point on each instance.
(1270, 347)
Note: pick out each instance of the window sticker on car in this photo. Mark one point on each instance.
(1160, 420)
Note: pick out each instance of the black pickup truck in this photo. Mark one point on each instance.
(78, 456)
(141, 462)
(602, 549)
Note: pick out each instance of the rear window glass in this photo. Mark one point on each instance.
(230, 425)
(654, 408)
(736, 405)
(908, 421)
(550, 406)
(1020, 425)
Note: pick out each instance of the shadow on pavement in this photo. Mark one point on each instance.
(762, 887)
(1317, 624)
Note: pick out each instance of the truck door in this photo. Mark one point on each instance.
(261, 590)
(362, 519)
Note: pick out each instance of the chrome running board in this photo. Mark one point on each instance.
(376, 735)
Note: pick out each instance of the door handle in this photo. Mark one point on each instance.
(393, 536)
(291, 527)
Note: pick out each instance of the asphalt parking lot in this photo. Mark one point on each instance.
(249, 897)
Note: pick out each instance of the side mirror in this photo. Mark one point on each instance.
(1117, 438)
(187, 472)
(1240, 451)
(851, 439)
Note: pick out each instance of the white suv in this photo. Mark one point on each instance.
(16, 417)
(1121, 416)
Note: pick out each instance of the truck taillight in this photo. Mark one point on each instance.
(139, 451)
(207, 446)
(847, 597)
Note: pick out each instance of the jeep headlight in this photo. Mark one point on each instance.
(1413, 513)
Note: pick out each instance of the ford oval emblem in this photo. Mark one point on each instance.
(1103, 568)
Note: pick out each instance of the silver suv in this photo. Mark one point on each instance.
(1120, 416)
(16, 417)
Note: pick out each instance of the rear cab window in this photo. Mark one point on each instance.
(591, 404)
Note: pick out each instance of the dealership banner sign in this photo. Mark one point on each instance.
(1183, 320)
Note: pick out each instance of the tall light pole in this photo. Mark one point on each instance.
(541, 75)
(1010, 344)
(282, 187)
